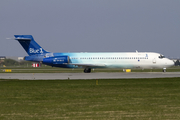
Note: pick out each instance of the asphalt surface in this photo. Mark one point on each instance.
(65, 76)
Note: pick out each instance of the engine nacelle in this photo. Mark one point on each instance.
(56, 60)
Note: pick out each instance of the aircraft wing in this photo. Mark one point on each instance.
(87, 65)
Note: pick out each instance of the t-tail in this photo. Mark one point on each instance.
(29, 45)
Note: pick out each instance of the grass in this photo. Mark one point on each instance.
(157, 98)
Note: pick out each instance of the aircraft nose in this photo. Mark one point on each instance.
(170, 63)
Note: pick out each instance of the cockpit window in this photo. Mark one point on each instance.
(161, 56)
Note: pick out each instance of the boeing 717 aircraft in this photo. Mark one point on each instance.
(88, 61)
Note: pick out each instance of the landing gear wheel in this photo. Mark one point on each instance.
(87, 70)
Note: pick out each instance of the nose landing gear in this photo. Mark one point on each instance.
(87, 70)
(164, 70)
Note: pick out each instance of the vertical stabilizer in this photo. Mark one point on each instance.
(29, 45)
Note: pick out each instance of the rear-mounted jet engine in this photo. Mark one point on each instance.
(56, 60)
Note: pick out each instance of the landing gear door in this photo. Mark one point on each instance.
(154, 61)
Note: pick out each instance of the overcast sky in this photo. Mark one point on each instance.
(92, 25)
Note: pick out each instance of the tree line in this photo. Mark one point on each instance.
(11, 62)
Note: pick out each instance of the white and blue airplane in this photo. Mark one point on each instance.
(88, 61)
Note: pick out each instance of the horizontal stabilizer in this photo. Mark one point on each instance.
(23, 37)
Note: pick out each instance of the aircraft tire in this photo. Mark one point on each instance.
(87, 70)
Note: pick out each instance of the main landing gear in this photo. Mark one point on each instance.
(87, 70)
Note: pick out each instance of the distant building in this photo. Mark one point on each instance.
(2, 57)
(177, 62)
(15, 58)
(20, 58)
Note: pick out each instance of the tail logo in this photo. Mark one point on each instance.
(32, 50)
